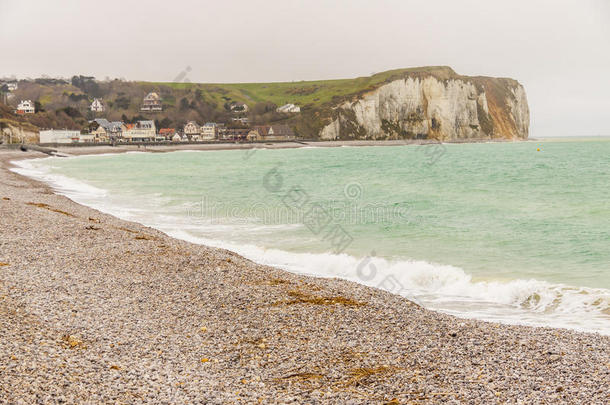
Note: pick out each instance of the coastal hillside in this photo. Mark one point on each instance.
(414, 103)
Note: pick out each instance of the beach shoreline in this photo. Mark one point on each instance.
(79, 150)
(137, 316)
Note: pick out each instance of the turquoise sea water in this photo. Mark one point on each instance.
(496, 231)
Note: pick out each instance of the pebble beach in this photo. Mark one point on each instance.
(94, 309)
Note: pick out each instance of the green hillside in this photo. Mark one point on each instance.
(303, 93)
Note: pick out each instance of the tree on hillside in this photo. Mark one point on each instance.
(165, 123)
(70, 112)
(122, 103)
(264, 107)
(184, 104)
(87, 84)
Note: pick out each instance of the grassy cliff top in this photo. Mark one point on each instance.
(314, 93)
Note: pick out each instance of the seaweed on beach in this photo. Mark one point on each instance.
(357, 375)
(48, 207)
(300, 297)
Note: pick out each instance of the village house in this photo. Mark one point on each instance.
(151, 103)
(59, 136)
(209, 131)
(289, 108)
(235, 134)
(25, 107)
(141, 131)
(108, 131)
(167, 133)
(10, 86)
(191, 129)
(100, 134)
(279, 132)
(97, 105)
(238, 107)
(176, 138)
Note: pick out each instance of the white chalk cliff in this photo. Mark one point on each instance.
(439, 105)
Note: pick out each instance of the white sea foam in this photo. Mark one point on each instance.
(445, 288)
(62, 184)
(439, 287)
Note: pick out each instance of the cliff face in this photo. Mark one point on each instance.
(15, 133)
(435, 105)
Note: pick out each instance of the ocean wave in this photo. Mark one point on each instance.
(64, 185)
(443, 287)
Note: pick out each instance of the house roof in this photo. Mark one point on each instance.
(103, 122)
(107, 125)
(167, 130)
(115, 125)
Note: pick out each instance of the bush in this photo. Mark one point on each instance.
(70, 112)
(122, 103)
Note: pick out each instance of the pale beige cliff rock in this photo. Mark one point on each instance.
(431, 107)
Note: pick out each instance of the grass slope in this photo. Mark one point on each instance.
(304, 93)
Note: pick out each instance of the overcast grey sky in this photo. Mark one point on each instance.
(559, 50)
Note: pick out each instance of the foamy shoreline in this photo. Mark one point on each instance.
(123, 307)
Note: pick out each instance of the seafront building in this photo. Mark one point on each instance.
(146, 131)
(108, 131)
(141, 131)
(191, 129)
(278, 132)
(235, 134)
(209, 131)
(166, 133)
